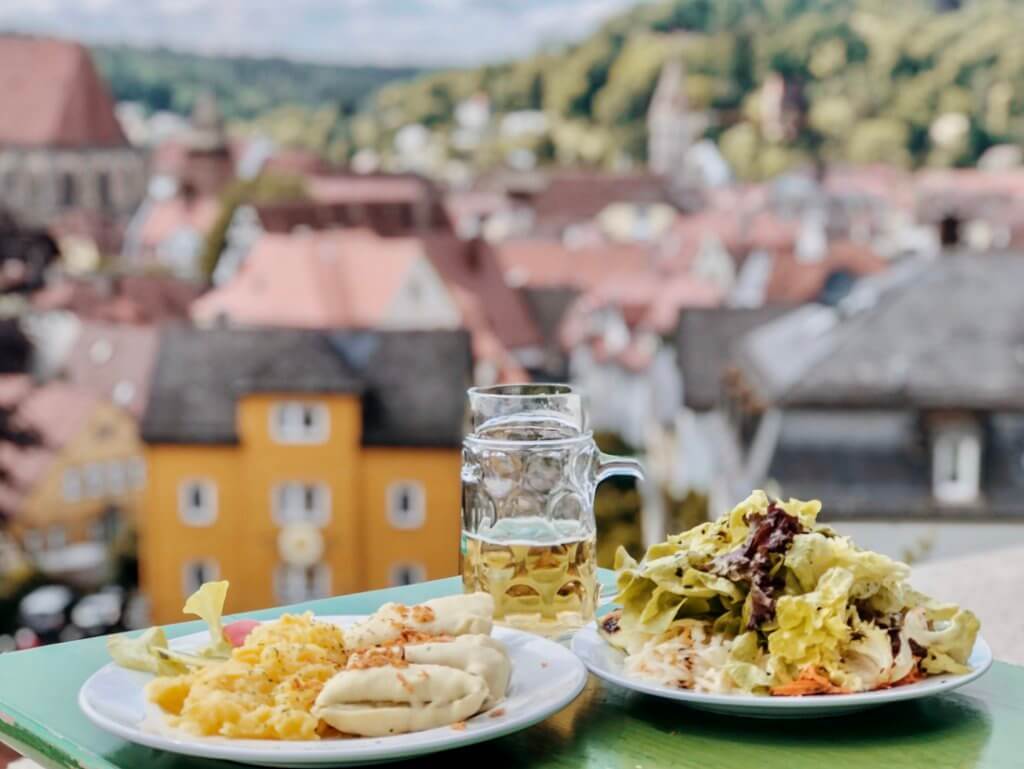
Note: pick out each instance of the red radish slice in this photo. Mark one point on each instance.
(237, 632)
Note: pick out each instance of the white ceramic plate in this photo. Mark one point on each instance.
(606, 662)
(545, 678)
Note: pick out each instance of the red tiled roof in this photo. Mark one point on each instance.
(648, 302)
(376, 188)
(126, 299)
(114, 362)
(474, 203)
(323, 279)
(290, 160)
(104, 231)
(574, 196)
(53, 96)
(486, 344)
(550, 264)
(476, 267)
(165, 217)
(349, 278)
(796, 282)
(170, 157)
(57, 411)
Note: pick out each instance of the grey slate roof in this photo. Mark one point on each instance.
(928, 334)
(705, 341)
(412, 383)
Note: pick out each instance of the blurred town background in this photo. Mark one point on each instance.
(778, 243)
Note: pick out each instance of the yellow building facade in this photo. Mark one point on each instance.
(303, 501)
(84, 481)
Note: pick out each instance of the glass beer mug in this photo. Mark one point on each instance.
(530, 469)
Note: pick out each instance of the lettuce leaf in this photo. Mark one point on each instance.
(207, 603)
(146, 652)
(814, 553)
(946, 632)
(745, 667)
(812, 627)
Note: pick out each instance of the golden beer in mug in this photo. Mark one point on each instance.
(529, 474)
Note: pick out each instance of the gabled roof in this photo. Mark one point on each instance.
(165, 218)
(571, 197)
(114, 361)
(411, 383)
(475, 268)
(57, 411)
(705, 342)
(924, 334)
(52, 96)
(345, 278)
(120, 299)
(548, 263)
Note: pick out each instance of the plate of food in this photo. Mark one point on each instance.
(330, 690)
(767, 613)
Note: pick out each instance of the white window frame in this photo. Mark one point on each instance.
(116, 471)
(33, 540)
(94, 482)
(288, 422)
(206, 513)
(71, 485)
(419, 572)
(294, 584)
(188, 572)
(285, 510)
(56, 536)
(956, 463)
(416, 516)
(136, 472)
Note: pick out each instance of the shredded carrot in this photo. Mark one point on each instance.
(912, 677)
(459, 726)
(811, 681)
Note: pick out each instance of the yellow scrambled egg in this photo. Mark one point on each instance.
(265, 691)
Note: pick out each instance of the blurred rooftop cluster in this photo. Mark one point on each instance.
(226, 354)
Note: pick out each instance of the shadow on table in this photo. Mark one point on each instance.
(612, 727)
(607, 726)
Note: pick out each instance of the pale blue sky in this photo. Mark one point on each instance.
(428, 32)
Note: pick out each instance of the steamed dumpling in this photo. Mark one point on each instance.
(480, 655)
(378, 701)
(452, 615)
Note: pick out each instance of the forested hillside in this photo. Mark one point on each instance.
(909, 82)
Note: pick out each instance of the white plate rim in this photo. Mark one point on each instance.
(588, 641)
(480, 728)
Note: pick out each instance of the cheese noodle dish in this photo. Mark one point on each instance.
(402, 669)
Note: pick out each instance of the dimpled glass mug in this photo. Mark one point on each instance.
(530, 469)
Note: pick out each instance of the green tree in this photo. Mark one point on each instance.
(265, 188)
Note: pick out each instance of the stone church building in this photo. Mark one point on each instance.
(64, 159)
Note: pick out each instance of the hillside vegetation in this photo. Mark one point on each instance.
(911, 82)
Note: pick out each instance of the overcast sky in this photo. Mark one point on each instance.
(426, 32)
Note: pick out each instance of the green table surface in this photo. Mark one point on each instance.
(981, 725)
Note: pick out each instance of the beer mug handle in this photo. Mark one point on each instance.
(609, 465)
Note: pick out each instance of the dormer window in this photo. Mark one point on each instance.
(299, 422)
(956, 462)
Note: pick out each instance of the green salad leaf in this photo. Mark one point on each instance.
(790, 599)
(149, 652)
(207, 603)
(145, 652)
